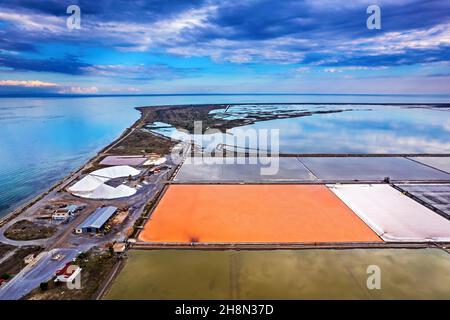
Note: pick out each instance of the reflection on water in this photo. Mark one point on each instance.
(357, 129)
(383, 129)
(283, 274)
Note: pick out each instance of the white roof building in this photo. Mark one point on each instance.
(155, 162)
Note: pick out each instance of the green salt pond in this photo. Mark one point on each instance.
(283, 274)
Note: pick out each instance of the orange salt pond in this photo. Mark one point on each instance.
(254, 214)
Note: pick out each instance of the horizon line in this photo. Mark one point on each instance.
(57, 95)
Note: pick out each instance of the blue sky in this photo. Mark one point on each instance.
(210, 46)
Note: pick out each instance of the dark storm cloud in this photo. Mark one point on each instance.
(322, 32)
(107, 10)
(409, 57)
(69, 65)
(266, 19)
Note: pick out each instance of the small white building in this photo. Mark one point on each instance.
(29, 258)
(119, 247)
(68, 273)
(65, 213)
(60, 215)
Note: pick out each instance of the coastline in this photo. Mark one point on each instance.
(144, 115)
(68, 178)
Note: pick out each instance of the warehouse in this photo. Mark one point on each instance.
(97, 220)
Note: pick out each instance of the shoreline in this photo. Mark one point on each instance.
(68, 178)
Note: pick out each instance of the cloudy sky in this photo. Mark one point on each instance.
(210, 46)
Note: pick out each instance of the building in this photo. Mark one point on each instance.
(29, 258)
(119, 247)
(66, 212)
(68, 273)
(60, 215)
(73, 208)
(97, 220)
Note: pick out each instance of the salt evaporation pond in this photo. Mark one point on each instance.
(283, 274)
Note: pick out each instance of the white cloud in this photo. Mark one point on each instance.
(352, 68)
(34, 22)
(398, 42)
(78, 90)
(332, 70)
(27, 83)
(183, 34)
(302, 70)
(144, 36)
(48, 87)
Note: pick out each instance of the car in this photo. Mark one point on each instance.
(57, 257)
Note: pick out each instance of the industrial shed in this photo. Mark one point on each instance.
(96, 221)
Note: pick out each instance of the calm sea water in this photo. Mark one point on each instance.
(43, 139)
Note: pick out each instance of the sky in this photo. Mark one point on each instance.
(211, 46)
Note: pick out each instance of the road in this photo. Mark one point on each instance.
(44, 269)
(32, 275)
(17, 243)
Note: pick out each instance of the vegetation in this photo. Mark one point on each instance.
(4, 249)
(5, 276)
(43, 286)
(181, 116)
(96, 265)
(26, 230)
(15, 263)
(142, 141)
(184, 116)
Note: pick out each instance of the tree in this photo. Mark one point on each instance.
(44, 286)
(111, 250)
(5, 276)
